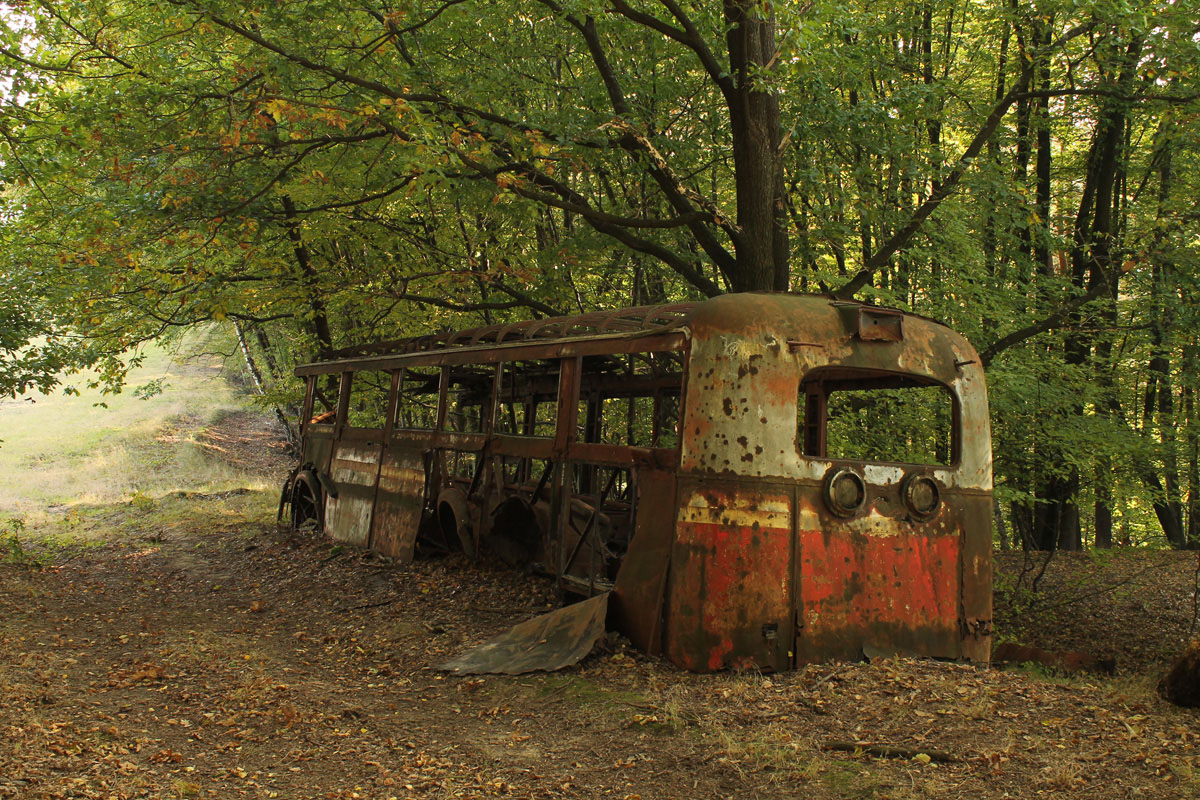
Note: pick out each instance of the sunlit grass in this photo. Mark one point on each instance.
(66, 458)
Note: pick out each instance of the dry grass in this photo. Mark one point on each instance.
(81, 473)
(60, 451)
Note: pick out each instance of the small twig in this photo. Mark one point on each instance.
(643, 706)
(1195, 598)
(812, 707)
(489, 610)
(1038, 578)
(367, 605)
(827, 677)
(892, 751)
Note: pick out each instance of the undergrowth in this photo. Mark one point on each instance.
(12, 550)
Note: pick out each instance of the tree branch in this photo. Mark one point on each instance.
(1054, 320)
(935, 199)
(689, 37)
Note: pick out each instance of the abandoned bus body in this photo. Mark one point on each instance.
(760, 480)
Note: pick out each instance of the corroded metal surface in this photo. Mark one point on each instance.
(882, 579)
(729, 601)
(638, 594)
(552, 641)
(744, 546)
(749, 353)
(353, 470)
(398, 503)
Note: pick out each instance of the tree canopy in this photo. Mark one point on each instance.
(316, 174)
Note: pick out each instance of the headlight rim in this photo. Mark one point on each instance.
(831, 500)
(908, 491)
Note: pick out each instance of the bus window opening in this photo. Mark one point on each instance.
(860, 415)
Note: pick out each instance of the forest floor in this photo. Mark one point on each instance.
(170, 641)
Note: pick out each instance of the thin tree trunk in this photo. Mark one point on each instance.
(256, 377)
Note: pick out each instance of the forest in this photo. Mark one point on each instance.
(317, 174)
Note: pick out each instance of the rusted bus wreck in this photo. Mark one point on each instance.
(759, 480)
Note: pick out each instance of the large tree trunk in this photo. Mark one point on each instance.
(320, 320)
(762, 242)
(1056, 520)
(1191, 362)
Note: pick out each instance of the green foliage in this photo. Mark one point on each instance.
(321, 175)
(908, 426)
(13, 550)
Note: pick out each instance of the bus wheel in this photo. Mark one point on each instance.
(306, 505)
(454, 517)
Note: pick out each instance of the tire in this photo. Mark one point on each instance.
(307, 502)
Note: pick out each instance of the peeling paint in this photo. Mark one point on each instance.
(744, 546)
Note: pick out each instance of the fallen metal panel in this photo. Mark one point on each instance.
(552, 641)
(398, 504)
(638, 593)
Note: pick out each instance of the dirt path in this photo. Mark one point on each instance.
(249, 663)
(220, 658)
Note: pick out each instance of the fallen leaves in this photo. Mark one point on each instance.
(150, 685)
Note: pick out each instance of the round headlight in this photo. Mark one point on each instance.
(922, 496)
(845, 492)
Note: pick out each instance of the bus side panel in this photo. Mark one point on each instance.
(318, 445)
(729, 601)
(637, 602)
(877, 584)
(354, 470)
(976, 571)
(398, 503)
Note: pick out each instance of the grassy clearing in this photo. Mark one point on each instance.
(80, 468)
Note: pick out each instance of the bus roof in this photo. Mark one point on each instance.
(623, 322)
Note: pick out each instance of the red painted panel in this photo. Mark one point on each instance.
(728, 582)
(895, 593)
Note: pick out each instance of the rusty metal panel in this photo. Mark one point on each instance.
(318, 446)
(748, 354)
(353, 470)
(729, 602)
(596, 344)
(523, 446)
(881, 582)
(882, 593)
(638, 593)
(976, 572)
(552, 641)
(880, 324)
(398, 503)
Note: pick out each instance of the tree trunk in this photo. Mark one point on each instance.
(320, 320)
(1159, 404)
(1191, 362)
(1056, 518)
(762, 242)
(256, 376)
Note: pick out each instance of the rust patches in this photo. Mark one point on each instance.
(746, 565)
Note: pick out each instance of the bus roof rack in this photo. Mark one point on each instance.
(665, 316)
